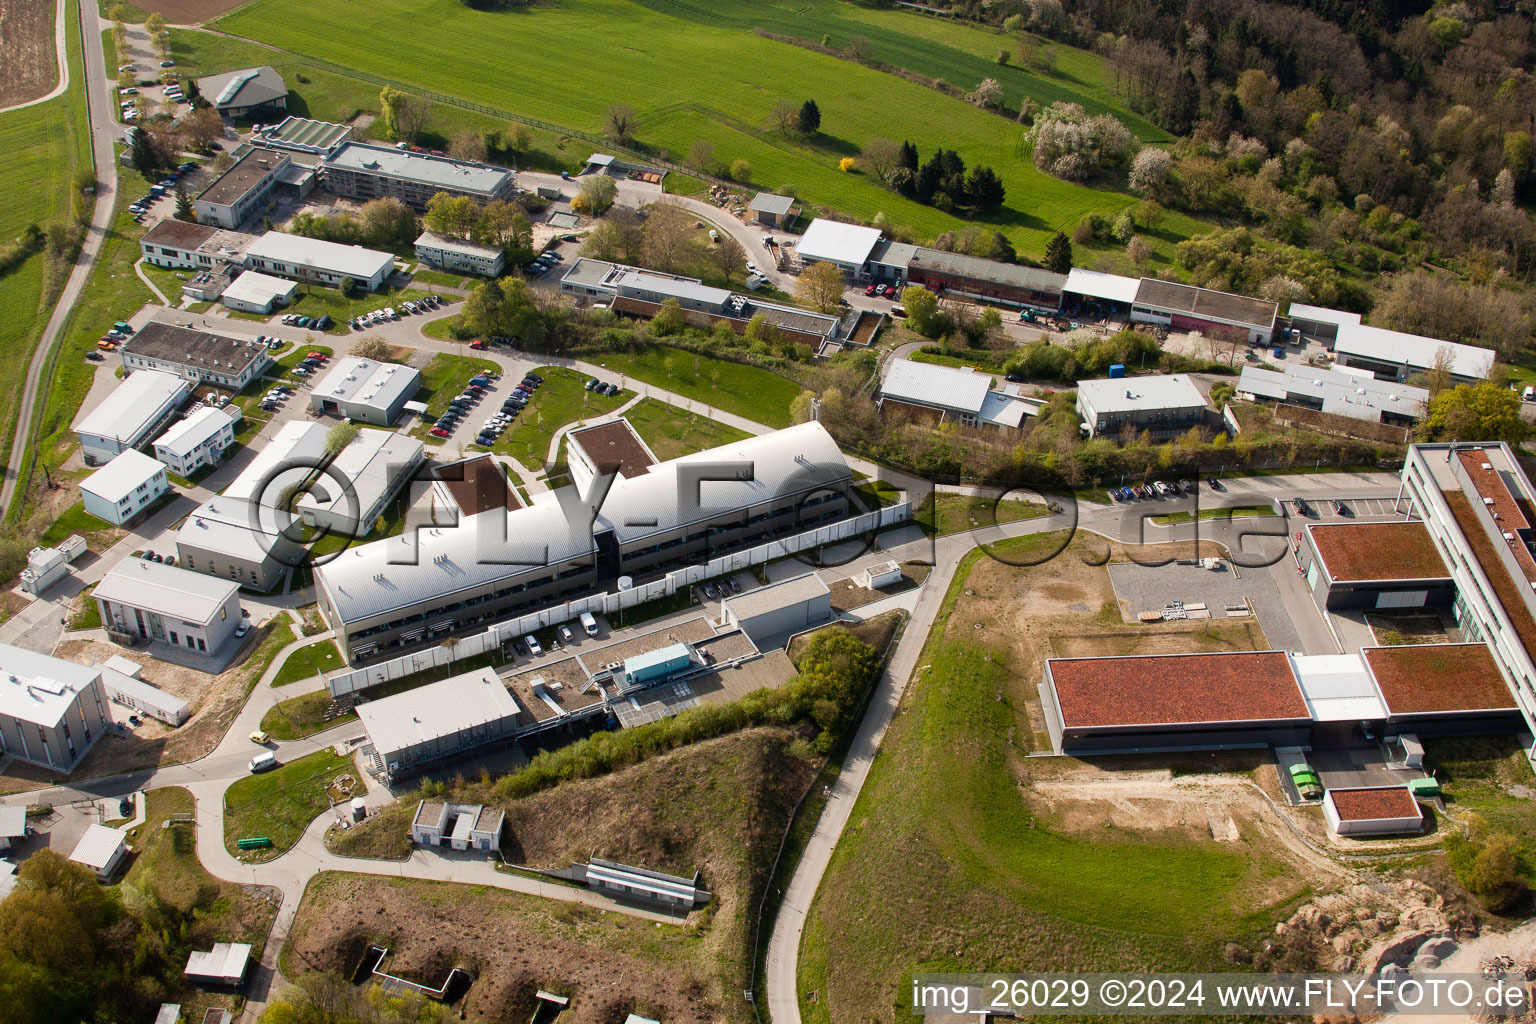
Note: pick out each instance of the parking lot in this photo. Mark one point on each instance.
(1142, 588)
(1342, 509)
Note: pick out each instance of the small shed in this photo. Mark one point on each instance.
(224, 964)
(632, 883)
(13, 826)
(460, 826)
(101, 849)
(170, 1013)
(772, 210)
(1372, 811)
(779, 609)
(655, 666)
(884, 574)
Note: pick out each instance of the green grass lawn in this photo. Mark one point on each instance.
(281, 803)
(298, 717)
(944, 821)
(442, 379)
(308, 662)
(425, 276)
(74, 519)
(671, 432)
(749, 391)
(563, 399)
(1240, 512)
(953, 513)
(1476, 775)
(733, 81)
(88, 614)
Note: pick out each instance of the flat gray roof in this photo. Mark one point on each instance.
(588, 272)
(437, 710)
(1136, 394)
(768, 202)
(244, 175)
(422, 167)
(203, 350)
(773, 596)
(167, 589)
(366, 382)
(39, 688)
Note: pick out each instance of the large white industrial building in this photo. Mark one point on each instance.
(438, 721)
(51, 710)
(319, 261)
(365, 390)
(134, 412)
(377, 463)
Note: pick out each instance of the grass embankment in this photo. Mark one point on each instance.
(751, 392)
(671, 432)
(306, 662)
(945, 513)
(44, 146)
(562, 400)
(949, 821)
(1479, 775)
(281, 803)
(735, 78)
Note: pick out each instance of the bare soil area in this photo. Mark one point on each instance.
(188, 12)
(29, 62)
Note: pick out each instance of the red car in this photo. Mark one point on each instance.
(316, 355)
(869, 289)
(438, 432)
(477, 344)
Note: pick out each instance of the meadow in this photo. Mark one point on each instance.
(538, 63)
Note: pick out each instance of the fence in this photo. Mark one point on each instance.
(610, 602)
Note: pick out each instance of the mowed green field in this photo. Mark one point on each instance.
(689, 80)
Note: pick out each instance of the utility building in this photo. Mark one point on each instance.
(51, 710)
(1162, 404)
(775, 611)
(365, 390)
(438, 721)
(135, 411)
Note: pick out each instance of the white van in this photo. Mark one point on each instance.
(588, 623)
(263, 762)
(1530, 393)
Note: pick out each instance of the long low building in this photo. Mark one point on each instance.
(1373, 565)
(242, 191)
(376, 465)
(124, 487)
(150, 601)
(1187, 308)
(410, 730)
(183, 245)
(123, 685)
(947, 394)
(1393, 355)
(1356, 394)
(196, 356)
(1163, 404)
(654, 517)
(1008, 284)
(365, 171)
(135, 411)
(456, 254)
(365, 390)
(318, 261)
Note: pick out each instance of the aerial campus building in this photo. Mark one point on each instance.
(198, 357)
(410, 730)
(1162, 404)
(135, 411)
(945, 394)
(199, 440)
(140, 599)
(365, 390)
(392, 595)
(1340, 391)
(51, 710)
(1464, 546)
(456, 254)
(249, 92)
(124, 487)
(242, 191)
(314, 259)
(364, 171)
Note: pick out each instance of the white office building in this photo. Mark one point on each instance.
(365, 390)
(1346, 391)
(1162, 404)
(135, 411)
(148, 600)
(319, 261)
(953, 394)
(377, 464)
(845, 246)
(124, 487)
(254, 292)
(438, 721)
(199, 440)
(455, 254)
(198, 357)
(51, 710)
(1393, 355)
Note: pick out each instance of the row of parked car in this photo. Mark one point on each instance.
(389, 313)
(543, 263)
(161, 189)
(1304, 507)
(717, 591)
(274, 399)
(322, 322)
(597, 387)
(311, 363)
(1160, 489)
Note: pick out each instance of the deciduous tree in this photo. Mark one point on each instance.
(728, 257)
(621, 121)
(469, 145)
(598, 192)
(880, 156)
(821, 285)
(783, 116)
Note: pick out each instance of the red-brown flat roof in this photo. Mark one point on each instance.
(1501, 502)
(614, 448)
(1375, 803)
(478, 485)
(1378, 551)
(1418, 679)
(1177, 689)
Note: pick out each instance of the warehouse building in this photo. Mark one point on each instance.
(199, 440)
(377, 464)
(247, 93)
(147, 600)
(101, 849)
(1184, 307)
(407, 731)
(1007, 284)
(1393, 355)
(1093, 294)
(1164, 405)
(121, 681)
(846, 246)
(776, 610)
(947, 394)
(1372, 811)
(1373, 565)
(241, 192)
(134, 412)
(504, 562)
(318, 261)
(1442, 689)
(1356, 394)
(182, 245)
(201, 357)
(253, 292)
(1320, 323)
(303, 135)
(459, 826)
(51, 710)
(124, 487)
(361, 171)
(457, 255)
(242, 534)
(365, 390)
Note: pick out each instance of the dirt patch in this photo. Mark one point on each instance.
(214, 702)
(188, 12)
(27, 52)
(847, 595)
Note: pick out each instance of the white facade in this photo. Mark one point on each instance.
(456, 254)
(51, 710)
(132, 414)
(365, 390)
(1393, 355)
(254, 292)
(883, 575)
(460, 826)
(377, 463)
(241, 191)
(312, 259)
(196, 356)
(845, 246)
(199, 440)
(101, 849)
(1159, 403)
(224, 964)
(439, 720)
(138, 696)
(153, 601)
(963, 395)
(778, 609)
(124, 487)
(1403, 817)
